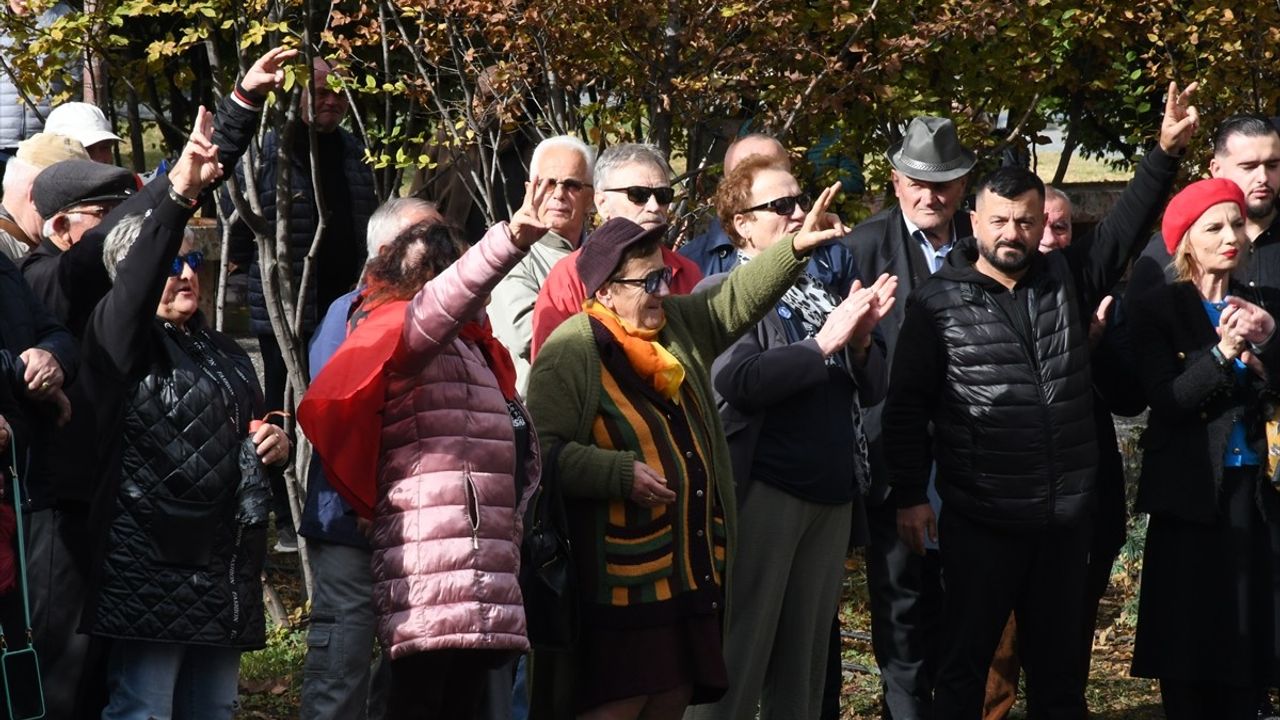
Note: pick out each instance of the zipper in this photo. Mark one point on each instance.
(1028, 349)
(473, 506)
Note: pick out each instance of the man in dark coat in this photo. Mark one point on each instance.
(346, 183)
(992, 381)
(908, 241)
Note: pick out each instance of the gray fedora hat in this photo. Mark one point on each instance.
(931, 151)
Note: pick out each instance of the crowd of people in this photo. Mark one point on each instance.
(709, 430)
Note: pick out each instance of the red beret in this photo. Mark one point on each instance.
(1187, 206)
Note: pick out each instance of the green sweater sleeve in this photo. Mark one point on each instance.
(718, 315)
(564, 391)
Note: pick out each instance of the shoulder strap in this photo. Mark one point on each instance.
(18, 233)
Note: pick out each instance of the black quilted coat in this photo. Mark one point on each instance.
(180, 518)
(188, 533)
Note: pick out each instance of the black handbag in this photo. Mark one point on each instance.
(547, 577)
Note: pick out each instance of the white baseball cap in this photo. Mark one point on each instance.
(81, 121)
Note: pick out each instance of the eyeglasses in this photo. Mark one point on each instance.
(651, 282)
(195, 259)
(570, 185)
(640, 194)
(784, 205)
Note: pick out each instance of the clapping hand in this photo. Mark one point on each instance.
(197, 168)
(854, 318)
(526, 229)
(820, 226)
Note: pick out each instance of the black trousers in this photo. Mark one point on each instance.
(906, 612)
(1039, 576)
(442, 684)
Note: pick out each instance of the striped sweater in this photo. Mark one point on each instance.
(641, 566)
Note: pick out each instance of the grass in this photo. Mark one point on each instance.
(1080, 170)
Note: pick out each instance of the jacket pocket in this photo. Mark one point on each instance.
(639, 552)
(182, 531)
(473, 507)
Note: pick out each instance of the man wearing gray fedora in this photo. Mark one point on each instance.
(908, 240)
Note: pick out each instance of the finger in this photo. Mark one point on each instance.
(1187, 92)
(856, 286)
(824, 200)
(1171, 100)
(815, 212)
(1104, 308)
(887, 305)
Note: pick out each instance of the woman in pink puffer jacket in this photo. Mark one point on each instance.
(458, 461)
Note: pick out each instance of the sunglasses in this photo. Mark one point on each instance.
(195, 259)
(785, 205)
(639, 194)
(571, 186)
(651, 282)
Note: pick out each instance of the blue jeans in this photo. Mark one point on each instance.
(171, 681)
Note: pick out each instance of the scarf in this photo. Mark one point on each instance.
(495, 353)
(647, 356)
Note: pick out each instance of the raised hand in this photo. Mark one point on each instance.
(820, 226)
(1181, 119)
(266, 73)
(526, 229)
(197, 167)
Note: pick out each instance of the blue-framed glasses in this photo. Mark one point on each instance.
(194, 259)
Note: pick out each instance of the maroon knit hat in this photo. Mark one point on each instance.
(602, 253)
(1187, 206)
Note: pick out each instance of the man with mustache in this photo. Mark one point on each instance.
(991, 381)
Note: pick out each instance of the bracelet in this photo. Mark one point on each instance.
(1218, 357)
(181, 199)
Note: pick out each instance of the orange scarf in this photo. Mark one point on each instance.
(646, 355)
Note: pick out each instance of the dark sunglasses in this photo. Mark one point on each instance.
(571, 186)
(785, 205)
(195, 259)
(640, 194)
(651, 282)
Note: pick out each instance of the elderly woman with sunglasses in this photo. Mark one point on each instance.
(632, 181)
(790, 394)
(182, 502)
(622, 400)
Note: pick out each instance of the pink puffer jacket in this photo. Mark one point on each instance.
(447, 522)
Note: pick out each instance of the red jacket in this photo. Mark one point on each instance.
(562, 293)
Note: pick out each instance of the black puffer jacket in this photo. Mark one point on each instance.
(1013, 426)
(302, 220)
(174, 557)
(188, 532)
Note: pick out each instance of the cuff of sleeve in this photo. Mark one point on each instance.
(626, 473)
(1163, 160)
(247, 99)
(907, 497)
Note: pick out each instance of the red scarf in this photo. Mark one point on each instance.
(495, 353)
